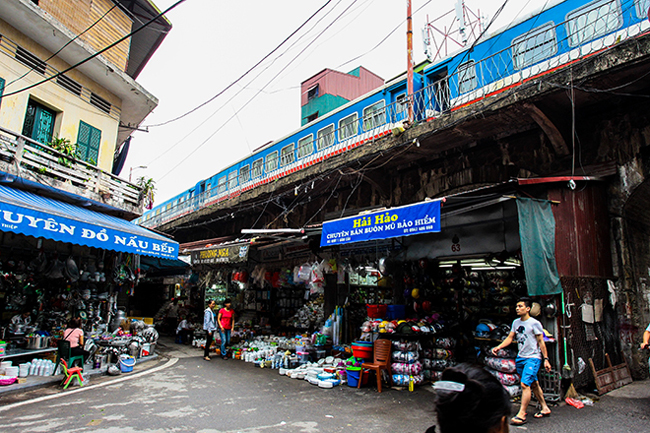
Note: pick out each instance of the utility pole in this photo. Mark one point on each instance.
(409, 51)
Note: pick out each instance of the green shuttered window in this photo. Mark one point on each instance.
(88, 142)
(2, 89)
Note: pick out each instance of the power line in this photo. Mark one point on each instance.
(173, 146)
(65, 45)
(244, 74)
(254, 96)
(87, 59)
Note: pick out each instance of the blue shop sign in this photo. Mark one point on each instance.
(32, 215)
(408, 220)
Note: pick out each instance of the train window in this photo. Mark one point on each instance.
(374, 116)
(325, 137)
(232, 179)
(244, 174)
(305, 146)
(287, 155)
(592, 21)
(271, 161)
(466, 77)
(534, 46)
(221, 185)
(348, 126)
(401, 105)
(257, 168)
(642, 7)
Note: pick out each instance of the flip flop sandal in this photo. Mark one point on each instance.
(541, 414)
(517, 421)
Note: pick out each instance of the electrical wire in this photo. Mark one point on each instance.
(446, 126)
(241, 77)
(65, 45)
(173, 146)
(253, 97)
(92, 56)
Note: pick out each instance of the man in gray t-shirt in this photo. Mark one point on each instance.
(529, 335)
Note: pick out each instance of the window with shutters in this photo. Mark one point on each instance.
(2, 89)
(88, 142)
(39, 122)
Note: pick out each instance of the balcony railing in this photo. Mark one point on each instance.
(29, 159)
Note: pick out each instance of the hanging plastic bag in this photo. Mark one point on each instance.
(304, 273)
(317, 275)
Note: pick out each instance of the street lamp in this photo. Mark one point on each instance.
(131, 170)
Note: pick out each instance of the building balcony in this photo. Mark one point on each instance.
(28, 164)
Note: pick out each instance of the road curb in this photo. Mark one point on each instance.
(168, 364)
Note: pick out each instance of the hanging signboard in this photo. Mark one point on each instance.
(225, 254)
(401, 221)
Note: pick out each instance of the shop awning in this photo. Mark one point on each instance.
(32, 215)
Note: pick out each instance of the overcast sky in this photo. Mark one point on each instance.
(214, 42)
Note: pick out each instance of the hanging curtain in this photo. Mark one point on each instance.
(537, 233)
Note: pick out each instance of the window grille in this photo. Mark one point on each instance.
(222, 186)
(305, 146)
(272, 161)
(592, 21)
(534, 46)
(466, 77)
(374, 116)
(288, 155)
(244, 174)
(257, 168)
(325, 137)
(232, 179)
(348, 126)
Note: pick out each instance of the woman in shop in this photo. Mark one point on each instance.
(470, 400)
(209, 326)
(225, 320)
(75, 335)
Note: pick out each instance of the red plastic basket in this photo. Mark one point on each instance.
(376, 311)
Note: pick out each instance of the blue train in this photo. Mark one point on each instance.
(553, 37)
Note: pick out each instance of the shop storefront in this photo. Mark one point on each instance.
(440, 279)
(60, 261)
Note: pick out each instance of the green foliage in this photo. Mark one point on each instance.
(148, 186)
(66, 147)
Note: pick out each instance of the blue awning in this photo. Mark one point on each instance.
(32, 215)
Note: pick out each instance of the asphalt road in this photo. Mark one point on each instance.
(188, 394)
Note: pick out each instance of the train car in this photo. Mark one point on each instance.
(556, 36)
(553, 37)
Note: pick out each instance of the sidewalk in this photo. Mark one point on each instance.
(35, 382)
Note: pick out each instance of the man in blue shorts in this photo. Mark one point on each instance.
(529, 334)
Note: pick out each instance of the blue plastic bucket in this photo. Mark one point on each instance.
(127, 364)
(395, 312)
(353, 376)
